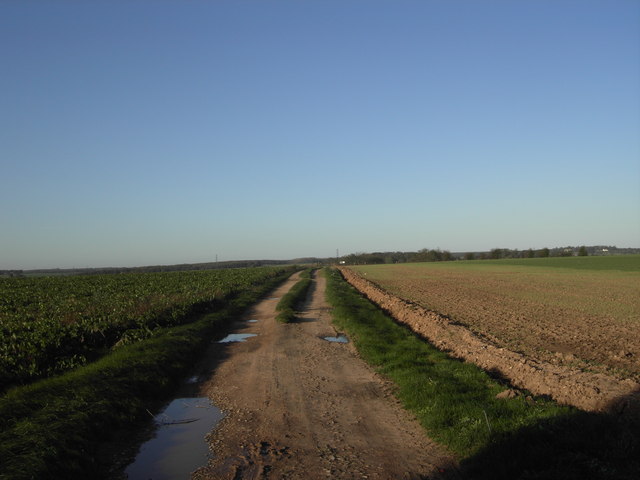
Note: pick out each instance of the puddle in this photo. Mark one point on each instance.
(237, 337)
(179, 446)
(252, 321)
(273, 298)
(338, 339)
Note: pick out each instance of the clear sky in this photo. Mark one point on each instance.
(161, 132)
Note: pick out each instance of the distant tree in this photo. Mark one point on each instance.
(530, 253)
(469, 256)
(497, 253)
(374, 259)
(582, 251)
(543, 252)
(422, 255)
(437, 255)
(353, 259)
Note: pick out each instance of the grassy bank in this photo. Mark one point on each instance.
(56, 428)
(497, 438)
(291, 301)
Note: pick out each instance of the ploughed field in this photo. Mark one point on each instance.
(580, 312)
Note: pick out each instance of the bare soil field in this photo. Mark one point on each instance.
(573, 336)
(298, 406)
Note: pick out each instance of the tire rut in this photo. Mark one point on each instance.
(300, 407)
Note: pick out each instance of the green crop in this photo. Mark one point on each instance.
(72, 425)
(50, 325)
(625, 263)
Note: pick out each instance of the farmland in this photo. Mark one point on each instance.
(498, 432)
(138, 334)
(53, 324)
(288, 379)
(581, 312)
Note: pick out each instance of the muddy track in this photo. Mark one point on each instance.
(300, 407)
(585, 390)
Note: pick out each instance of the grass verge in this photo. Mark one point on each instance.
(523, 437)
(292, 300)
(55, 428)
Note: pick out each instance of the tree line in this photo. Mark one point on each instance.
(438, 255)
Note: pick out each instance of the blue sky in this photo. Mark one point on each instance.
(137, 133)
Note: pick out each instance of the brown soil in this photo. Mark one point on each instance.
(565, 383)
(588, 320)
(298, 406)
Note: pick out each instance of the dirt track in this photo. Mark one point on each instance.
(299, 406)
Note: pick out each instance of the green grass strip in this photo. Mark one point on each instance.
(291, 301)
(625, 263)
(57, 427)
(521, 437)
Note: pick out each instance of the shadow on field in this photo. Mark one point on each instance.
(117, 453)
(121, 451)
(305, 306)
(578, 446)
(310, 292)
(303, 320)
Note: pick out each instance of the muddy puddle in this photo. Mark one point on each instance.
(237, 337)
(253, 320)
(338, 339)
(179, 446)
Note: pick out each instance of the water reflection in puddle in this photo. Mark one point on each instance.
(179, 446)
(338, 339)
(252, 321)
(237, 337)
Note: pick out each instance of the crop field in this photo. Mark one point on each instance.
(54, 324)
(85, 358)
(581, 312)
